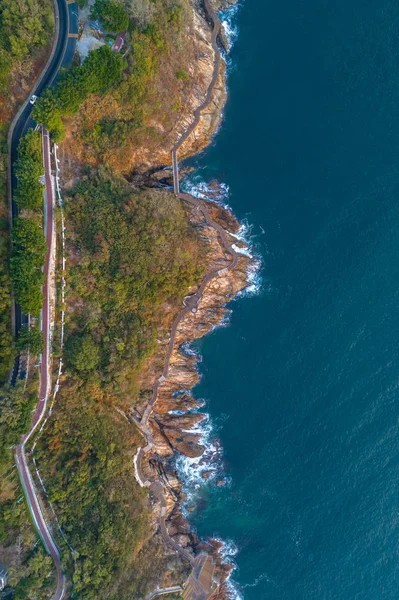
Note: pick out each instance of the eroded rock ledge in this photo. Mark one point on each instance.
(172, 420)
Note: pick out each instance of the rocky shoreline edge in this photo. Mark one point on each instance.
(175, 417)
(167, 410)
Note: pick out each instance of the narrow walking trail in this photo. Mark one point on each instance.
(156, 486)
(191, 305)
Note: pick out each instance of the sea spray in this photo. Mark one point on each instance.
(214, 192)
(229, 21)
(217, 192)
(228, 550)
(208, 469)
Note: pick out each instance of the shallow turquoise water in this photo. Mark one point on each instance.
(303, 386)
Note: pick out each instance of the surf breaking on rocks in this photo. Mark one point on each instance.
(208, 469)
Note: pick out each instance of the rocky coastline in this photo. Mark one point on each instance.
(176, 414)
(175, 419)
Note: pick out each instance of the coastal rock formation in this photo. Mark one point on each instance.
(173, 424)
(200, 68)
(169, 110)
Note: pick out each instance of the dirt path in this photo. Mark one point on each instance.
(156, 486)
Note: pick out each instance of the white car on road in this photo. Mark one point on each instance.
(33, 99)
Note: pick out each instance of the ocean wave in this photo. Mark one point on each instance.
(254, 279)
(194, 185)
(246, 235)
(191, 470)
(188, 349)
(255, 583)
(229, 21)
(245, 251)
(233, 592)
(228, 551)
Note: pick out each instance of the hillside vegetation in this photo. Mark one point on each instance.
(25, 31)
(132, 251)
(30, 570)
(25, 25)
(132, 257)
(144, 101)
(100, 71)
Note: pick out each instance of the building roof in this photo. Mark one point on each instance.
(120, 40)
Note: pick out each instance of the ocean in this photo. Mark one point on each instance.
(302, 384)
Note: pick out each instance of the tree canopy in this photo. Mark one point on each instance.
(112, 14)
(30, 338)
(28, 169)
(29, 248)
(99, 72)
(24, 25)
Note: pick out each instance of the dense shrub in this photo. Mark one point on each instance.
(28, 169)
(100, 71)
(29, 249)
(24, 25)
(112, 14)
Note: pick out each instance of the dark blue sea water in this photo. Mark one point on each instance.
(303, 386)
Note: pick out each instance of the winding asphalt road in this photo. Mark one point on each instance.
(62, 53)
(23, 122)
(45, 383)
(66, 16)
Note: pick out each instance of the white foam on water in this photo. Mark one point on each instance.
(229, 21)
(242, 250)
(190, 470)
(228, 551)
(254, 279)
(245, 234)
(197, 187)
(188, 349)
(224, 321)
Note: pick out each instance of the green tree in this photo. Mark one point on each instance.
(24, 25)
(28, 169)
(30, 338)
(27, 277)
(29, 237)
(83, 353)
(112, 14)
(15, 416)
(100, 72)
